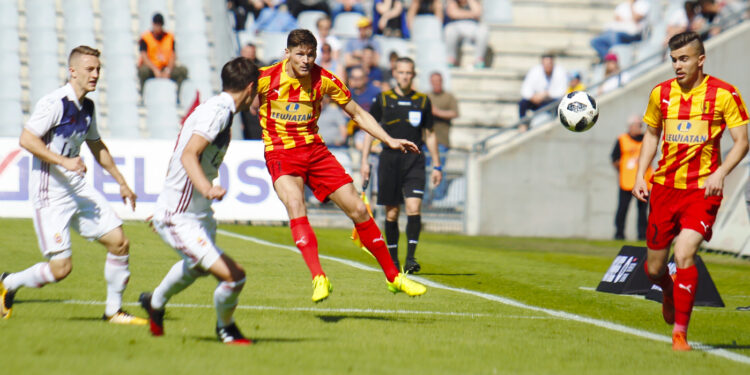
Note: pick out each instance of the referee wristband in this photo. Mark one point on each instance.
(438, 168)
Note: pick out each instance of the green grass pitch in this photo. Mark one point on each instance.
(362, 328)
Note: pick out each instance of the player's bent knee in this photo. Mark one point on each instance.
(61, 269)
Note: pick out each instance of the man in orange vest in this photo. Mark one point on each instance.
(625, 160)
(158, 56)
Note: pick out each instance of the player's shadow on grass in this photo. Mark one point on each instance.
(445, 274)
(338, 318)
(734, 345)
(259, 340)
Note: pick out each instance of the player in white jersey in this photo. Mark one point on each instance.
(184, 218)
(61, 122)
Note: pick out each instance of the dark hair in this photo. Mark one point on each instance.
(370, 47)
(250, 44)
(684, 38)
(406, 60)
(301, 37)
(83, 50)
(158, 19)
(237, 74)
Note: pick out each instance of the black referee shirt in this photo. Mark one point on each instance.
(403, 116)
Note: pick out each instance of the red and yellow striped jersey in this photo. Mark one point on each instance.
(692, 124)
(290, 107)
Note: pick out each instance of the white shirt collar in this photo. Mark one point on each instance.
(71, 94)
(230, 101)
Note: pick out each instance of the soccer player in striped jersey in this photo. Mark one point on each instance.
(184, 218)
(690, 112)
(60, 123)
(290, 94)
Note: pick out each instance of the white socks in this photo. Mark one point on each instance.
(117, 274)
(225, 299)
(178, 278)
(35, 276)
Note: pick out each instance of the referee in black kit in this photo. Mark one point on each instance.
(403, 113)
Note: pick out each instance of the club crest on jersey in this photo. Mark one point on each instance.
(58, 238)
(415, 118)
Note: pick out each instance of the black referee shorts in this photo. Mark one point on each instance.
(400, 176)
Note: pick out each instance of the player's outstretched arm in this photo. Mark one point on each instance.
(715, 182)
(104, 158)
(190, 160)
(648, 151)
(365, 121)
(36, 147)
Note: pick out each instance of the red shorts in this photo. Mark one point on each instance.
(314, 163)
(672, 210)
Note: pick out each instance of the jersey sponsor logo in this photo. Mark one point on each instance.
(415, 118)
(691, 132)
(291, 112)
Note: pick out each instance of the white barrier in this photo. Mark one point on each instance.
(143, 163)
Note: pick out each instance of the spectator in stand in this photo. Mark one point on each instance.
(575, 83)
(370, 65)
(244, 8)
(389, 81)
(298, 6)
(418, 7)
(444, 109)
(341, 6)
(250, 52)
(327, 61)
(332, 128)
(627, 27)
(613, 77)
(544, 83)
(687, 18)
(354, 47)
(158, 57)
(275, 18)
(463, 23)
(390, 19)
(324, 36)
(363, 91)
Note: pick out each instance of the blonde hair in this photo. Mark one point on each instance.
(82, 50)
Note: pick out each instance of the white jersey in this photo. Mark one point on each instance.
(211, 120)
(63, 124)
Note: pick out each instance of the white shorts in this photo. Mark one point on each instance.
(191, 236)
(87, 211)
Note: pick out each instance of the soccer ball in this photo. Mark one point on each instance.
(578, 111)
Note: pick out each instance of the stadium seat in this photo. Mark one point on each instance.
(115, 17)
(122, 121)
(11, 87)
(455, 194)
(345, 25)
(245, 37)
(42, 41)
(40, 15)
(189, 17)
(308, 19)
(625, 54)
(497, 12)
(146, 10)
(273, 45)
(78, 15)
(160, 99)
(119, 44)
(12, 118)
(8, 15)
(77, 37)
(9, 40)
(398, 45)
(426, 26)
(10, 64)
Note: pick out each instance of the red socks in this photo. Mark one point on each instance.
(684, 296)
(372, 239)
(304, 238)
(664, 282)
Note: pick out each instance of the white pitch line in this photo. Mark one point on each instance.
(510, 302)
